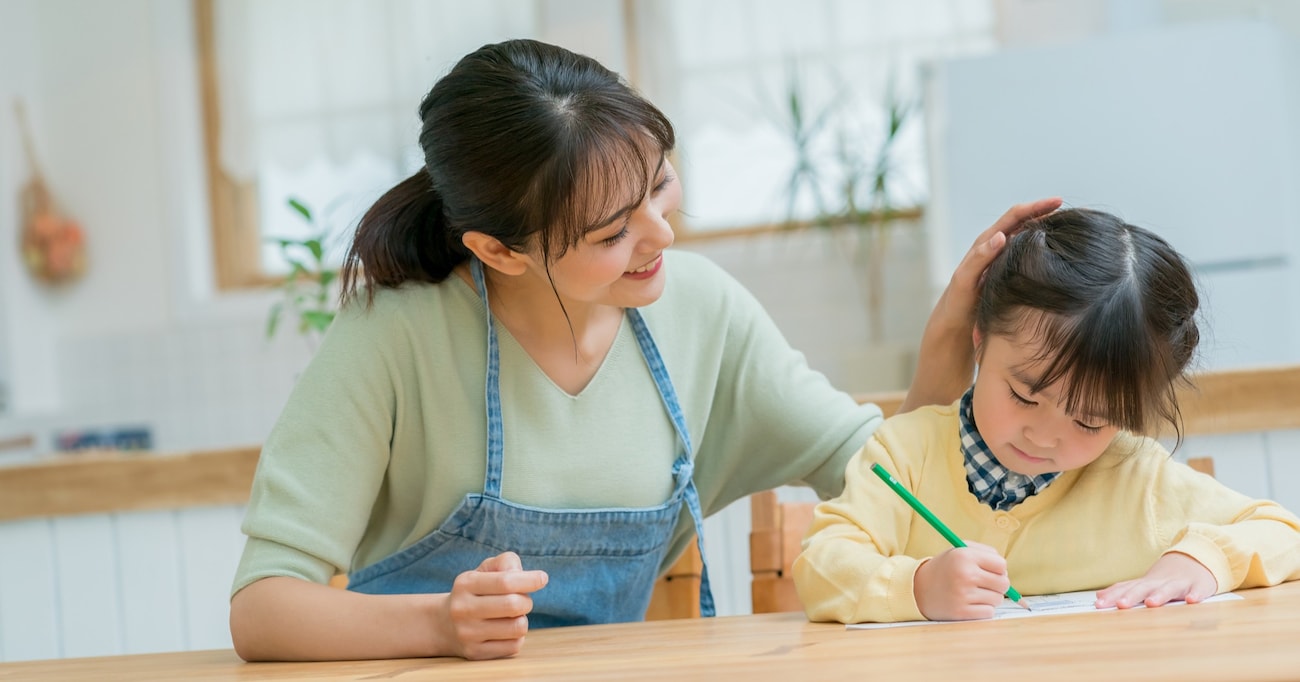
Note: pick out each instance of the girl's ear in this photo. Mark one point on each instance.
(976, 339)
(494, 254)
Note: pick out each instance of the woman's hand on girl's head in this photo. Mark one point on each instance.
(946, 361)
(486, 613)
(963, 583)
(1173, 577)
(959, 299)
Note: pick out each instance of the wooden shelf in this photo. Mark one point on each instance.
(1260, 399)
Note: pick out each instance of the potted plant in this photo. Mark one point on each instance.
(848, 172)
(307, 291)
(845, 169)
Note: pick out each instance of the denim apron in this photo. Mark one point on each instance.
(602, 563)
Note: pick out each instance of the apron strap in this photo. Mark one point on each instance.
(492, 393)
(684, 467)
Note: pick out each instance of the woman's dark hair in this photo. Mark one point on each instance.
(1113, 306)
(520, 138)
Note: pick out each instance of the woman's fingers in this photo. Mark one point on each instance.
(991, 240)
(1018, 214)
(497, 639)
(503, 574)
(505, 561)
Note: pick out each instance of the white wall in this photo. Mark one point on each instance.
(111, 94)
(1187, 130)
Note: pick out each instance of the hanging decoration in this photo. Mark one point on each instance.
(53, 246)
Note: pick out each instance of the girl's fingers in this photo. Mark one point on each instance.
(1110, 597)
(1163, 593)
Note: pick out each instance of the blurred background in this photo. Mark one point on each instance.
(171, 169)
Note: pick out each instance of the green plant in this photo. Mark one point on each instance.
(852, 187)
(804, 127)
(307, 290)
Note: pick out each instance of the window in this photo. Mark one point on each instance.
(724, 72)
(316, 99)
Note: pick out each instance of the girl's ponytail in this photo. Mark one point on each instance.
(403, 237)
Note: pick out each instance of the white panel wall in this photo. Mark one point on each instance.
(109, 584)
(1188, 131)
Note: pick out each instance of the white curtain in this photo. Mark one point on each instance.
(307, 80)
(318, 98)
(720, 69)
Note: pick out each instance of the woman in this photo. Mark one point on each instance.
(526, 404)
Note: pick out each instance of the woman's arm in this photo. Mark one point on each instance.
(484, 616)
(946, 360)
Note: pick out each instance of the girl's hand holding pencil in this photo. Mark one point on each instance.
(963, 583)
(958, 585)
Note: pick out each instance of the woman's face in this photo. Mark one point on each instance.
(621, 262)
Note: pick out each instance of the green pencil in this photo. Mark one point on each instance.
(933, 520)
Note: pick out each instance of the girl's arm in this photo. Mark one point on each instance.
(856, 565)
(946, 360)
(484, 616)
(1221, 541)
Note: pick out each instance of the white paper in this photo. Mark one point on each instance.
(1042, 605)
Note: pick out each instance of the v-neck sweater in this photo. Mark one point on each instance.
(385, 431)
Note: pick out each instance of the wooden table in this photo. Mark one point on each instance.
(1257, 638)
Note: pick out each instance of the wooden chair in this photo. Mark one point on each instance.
(776, 536)
(677, 592)
(774, 542)
(1204, 465)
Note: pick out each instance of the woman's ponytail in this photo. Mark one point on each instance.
(403, 237)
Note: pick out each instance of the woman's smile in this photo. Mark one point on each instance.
(648, 270)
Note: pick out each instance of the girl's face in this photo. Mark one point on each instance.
(1030, 433)
(621, 262)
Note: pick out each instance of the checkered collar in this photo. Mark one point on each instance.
(990, 482)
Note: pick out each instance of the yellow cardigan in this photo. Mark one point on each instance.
(1092, 527)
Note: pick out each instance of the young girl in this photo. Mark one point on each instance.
(526, 404)
(1084, 327)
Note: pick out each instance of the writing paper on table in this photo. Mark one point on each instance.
(1042, 605)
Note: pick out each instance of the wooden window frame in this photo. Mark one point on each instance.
(235, 227)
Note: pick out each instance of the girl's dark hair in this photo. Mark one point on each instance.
(520, 138)
(1113, 306)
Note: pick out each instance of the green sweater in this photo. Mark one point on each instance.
(385, 431)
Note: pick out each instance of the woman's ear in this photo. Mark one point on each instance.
(494, 254)
(977, 339)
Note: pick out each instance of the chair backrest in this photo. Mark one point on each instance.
(677, 592)
(774, 542)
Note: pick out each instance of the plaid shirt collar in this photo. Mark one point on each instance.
(990, 482)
